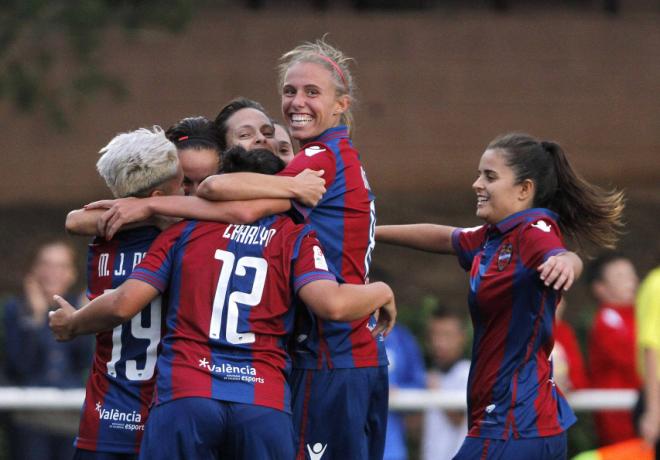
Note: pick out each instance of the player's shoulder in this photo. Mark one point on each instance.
(539, 223)
(312, 149)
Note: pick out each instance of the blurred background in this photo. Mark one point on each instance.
(437, 81)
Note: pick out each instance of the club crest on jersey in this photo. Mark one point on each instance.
(504, 257)
(313, 150)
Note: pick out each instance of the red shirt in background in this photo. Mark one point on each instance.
(568, 364)
(612, 365)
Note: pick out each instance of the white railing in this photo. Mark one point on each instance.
(14, 398)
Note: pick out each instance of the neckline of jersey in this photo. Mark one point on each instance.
(332, 133)
(509, 223)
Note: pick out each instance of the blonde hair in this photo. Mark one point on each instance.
(134, 163)
(337, 63)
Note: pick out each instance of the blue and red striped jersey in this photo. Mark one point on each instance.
(229, 315)
(510, 388)
(121, 382)
(345, 221)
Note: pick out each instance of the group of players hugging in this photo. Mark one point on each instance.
(237, 321)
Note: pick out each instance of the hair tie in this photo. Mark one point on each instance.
(182, 138)
(335, 66)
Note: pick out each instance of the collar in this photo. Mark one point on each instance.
(528, 215)
(332, 134)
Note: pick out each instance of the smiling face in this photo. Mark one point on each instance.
(310, 104)
(251, 129)
(197, 164)
(498, 196)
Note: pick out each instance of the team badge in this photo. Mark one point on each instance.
(313, 150)
(504, 256)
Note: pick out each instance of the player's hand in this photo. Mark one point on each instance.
(558, 271)
(310, 187)
(649, 426)
(119, 213)
(60, 321)
(386, 318)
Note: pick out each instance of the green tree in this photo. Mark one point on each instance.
(50, 57)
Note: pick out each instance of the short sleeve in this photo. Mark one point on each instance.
(309, 263)
(467, 242)
(315, 156)
(156, 267)
(540, 240)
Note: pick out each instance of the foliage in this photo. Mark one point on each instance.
(51, 50)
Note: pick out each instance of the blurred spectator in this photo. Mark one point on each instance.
(567, 363)
(406, 370)
(613, 282)
(648, 342)
(34, 358)
(444, 431)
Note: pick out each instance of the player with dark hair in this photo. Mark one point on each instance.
(237, 159)
(244, 122)
(518, 268)
(199, 152)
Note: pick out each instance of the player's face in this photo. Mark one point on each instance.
(197, 165)
(447, 340)
(498, 196)
(284, 144)
(619, 282)
(54, 269)
(309, 100)
(251, 129)
(173, 186)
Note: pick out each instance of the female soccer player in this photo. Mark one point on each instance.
(284, 143)
(329, 357)
(528, 195)
(199, 153)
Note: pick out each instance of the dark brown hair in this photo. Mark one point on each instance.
(587, 212)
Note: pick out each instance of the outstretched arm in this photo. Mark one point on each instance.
(425, 237)
(105, 312)
(349, 302)
(123, 211)
(307, 187)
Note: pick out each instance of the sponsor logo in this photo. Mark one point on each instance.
(316, 451)
(542, 225)
(504, 257)
(119, 420)
(230, 372)
(313, 150)
(319, 259)
(490, 408)
(301, 338)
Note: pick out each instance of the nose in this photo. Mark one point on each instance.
(477, 184)
(298, 99)
(260, 139)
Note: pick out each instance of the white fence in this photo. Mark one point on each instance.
(13, 398)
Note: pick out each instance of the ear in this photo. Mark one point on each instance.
(342, 104)
(157, 192)
(527, 189)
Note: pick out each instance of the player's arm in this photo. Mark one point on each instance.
(349, 302)
(307, 187)
(121, 212)
(89, 222)
(105, 312)
(425, 237)
(561, 271)
(650, 422)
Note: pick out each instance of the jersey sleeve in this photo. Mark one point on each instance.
(315, 156)
(309, 262)
(540, 240)
(467, 242)
(156, 267)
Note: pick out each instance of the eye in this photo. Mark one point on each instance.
(288, 91)
(268, 132)
(313, 92)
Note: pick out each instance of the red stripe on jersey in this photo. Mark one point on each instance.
(100, 282)
(484, 451)
(97, 387)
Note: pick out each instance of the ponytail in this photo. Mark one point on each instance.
(587, 212)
